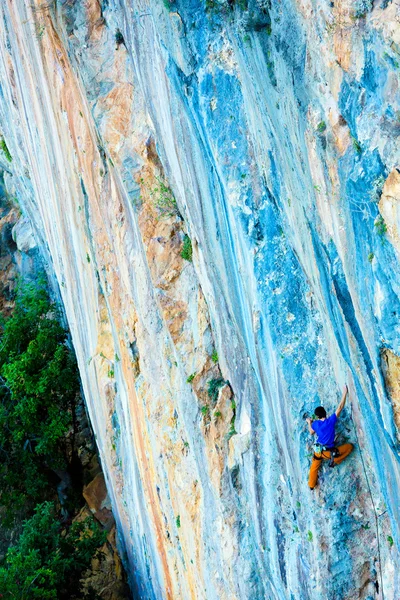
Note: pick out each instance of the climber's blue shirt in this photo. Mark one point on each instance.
(325, 430)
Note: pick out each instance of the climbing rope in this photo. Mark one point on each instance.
(372, 500)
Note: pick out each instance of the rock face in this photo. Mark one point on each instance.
(267, 133)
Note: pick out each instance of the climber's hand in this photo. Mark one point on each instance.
(342, 402)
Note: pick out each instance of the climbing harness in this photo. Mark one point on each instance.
(319, 449)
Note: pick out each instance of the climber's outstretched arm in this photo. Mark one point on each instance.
(342, 402)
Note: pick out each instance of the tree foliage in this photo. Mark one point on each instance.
(38, 387)
(48, 562)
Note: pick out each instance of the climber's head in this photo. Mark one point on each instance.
(320, 412)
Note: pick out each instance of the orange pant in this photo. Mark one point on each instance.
(344, 451)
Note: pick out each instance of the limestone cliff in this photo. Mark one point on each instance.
(262, 136)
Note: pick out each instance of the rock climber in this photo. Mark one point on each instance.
(325, 449)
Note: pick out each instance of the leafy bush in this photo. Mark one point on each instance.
(39, 384)
(187, 249)
(362, 7)
(191, 377)
(205, 410)
(376, 189)
(356, 145)
(164, 200)
(321, 126)
(119, 38)
(214, 356)
(380, 226)
(46, 562)
(213, 388)
(5, 149)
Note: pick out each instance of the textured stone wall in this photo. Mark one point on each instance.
(275, 125)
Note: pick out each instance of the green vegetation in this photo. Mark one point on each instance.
(39, 381)
(111, 373)
(356, 145)
(321, 126)
(38, 394)
(48, 562)
(191, 377)
(205, 410)
(213, 388)
(214, 356)
(380, 226)
(371, 257)
(377, 187)
(214, 5)
(317, 188)
(40, 29)
(187, 250)
(362, 7)
(164, 200)
(87, 257)
(178, 521)
(217, 414)
(390, 540)
(5, 149)
(119, 38)
(309, 536)
(232, 430)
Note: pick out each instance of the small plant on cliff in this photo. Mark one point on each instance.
(119, 38)
(164, 200)
(377, 187)
(371, 257)
(214, 356)
(48, 562)
(321, 126)
(213, 388)
(5, 149)
(178, 521)
(191, 377)
(356, 145)
(390, 540)
(232, 430)
(309, 536)
(380, 226)
(205, 410)
(362, 7)
(187, 250)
